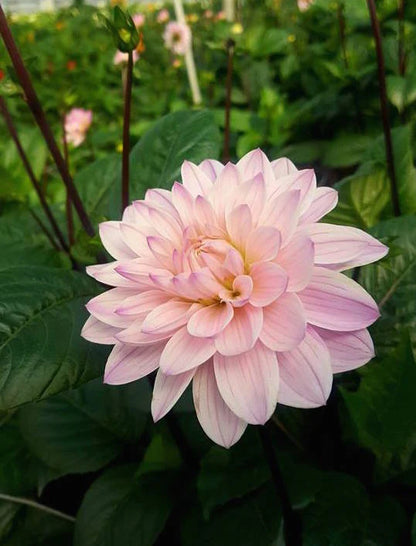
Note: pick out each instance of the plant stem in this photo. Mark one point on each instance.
(341, 24)
(15, 137)
(37, 505)
(126, 134)
(375, 24)
(39, 115)
(44, 229)
(291, 522)
(402, 54)
(228, 87)
(68, 203)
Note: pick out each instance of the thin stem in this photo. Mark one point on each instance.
(68, 203)
(228, 87)
(126, 134)
(44, 229)
(39, 115)
(282, 427)
(13, 133)
(341, 24)
(375, 24)
(291, 522)
(402, 53)
(37, 505)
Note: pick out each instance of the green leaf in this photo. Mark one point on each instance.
(382, 411)
(387, 523)
(83, 430)
(122, 509)
(401, 90)
(156, 160)
(362, 198)
(41, 351)
(393, 281)
(346, 150)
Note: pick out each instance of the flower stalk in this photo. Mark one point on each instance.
(228, 87)
(39, 115)
(68, 203)
(15, 137)
(402, 53)
(375, 24)
(126, 132)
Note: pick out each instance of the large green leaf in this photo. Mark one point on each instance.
(84, 429)
(41, 351)
(120, 509)
(382, 411)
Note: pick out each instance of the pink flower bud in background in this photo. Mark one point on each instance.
(221, 16)
(208, 14)
(122, 58)
(230, 282)
(77, 123)
(163, 16)
(177, 37)
(138, 19)
(304, 5)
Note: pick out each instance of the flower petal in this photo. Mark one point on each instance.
(184, 352)
(253, 163)
(269, 282)
(249, 383)
(324, 200)
(212, 168)
(166, 317)
(239, 224)
(126, 363)
(210, 320)
(262, 244)
(335, 302)
(282, 167)
(98, 332)
(348, 350)
(142, 303)
(113, 241)
(103, 307)
(218, 421)
(167, 391)
(194, 179)
(305, 373)
(242, 332)
(284, 323)
(282, 212)
(296, 258)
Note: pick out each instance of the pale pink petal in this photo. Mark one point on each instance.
(183, 202)
(262, 244)
(239, 225)
(348, 350)
(305, 373)
(167, 391)
(234, 262)
(133, 335)
(184, 352)
(135, 238)
(282, 212)
(269, 282)
(324, 200)
(107, 274)
(167, 317)
(242, 332)
(103, 307)
(210, 320)
(218, 421)
(126, 363)
(212, 168)
(305, 181)
(142, 303)
(284, 323)
(223, 191)
(113, 242)
(296, 258)
(251, 193)
(253, 163)
(338, 245)
(204, 212)
(335, 302)
(98, 332)
(242, 289)
(282, 167)
(139, 272)
(249, 383)
(194, 179)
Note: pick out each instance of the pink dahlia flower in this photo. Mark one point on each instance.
(163, 16)
(77, 123)
(138, 19)
(121, 58)
(228, 281)
(177, 37)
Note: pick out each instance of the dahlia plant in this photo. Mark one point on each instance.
(229, 281)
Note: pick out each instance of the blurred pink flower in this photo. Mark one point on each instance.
(177, 37)
(228, 281)
(77, 123)
(304, 5)
(221, 16)
(163, 16)
(138, 19)
(120, 57)
(208, 14)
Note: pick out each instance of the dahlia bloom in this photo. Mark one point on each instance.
(138, 19)
(77, 123)
(163, 16)
(177, 37)
(121, 57)
(228, 281)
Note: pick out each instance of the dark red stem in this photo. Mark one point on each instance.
(125, 200)
(68, 203)
(228, 87)
(39, 115)
(375, 24)
(13, 133)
